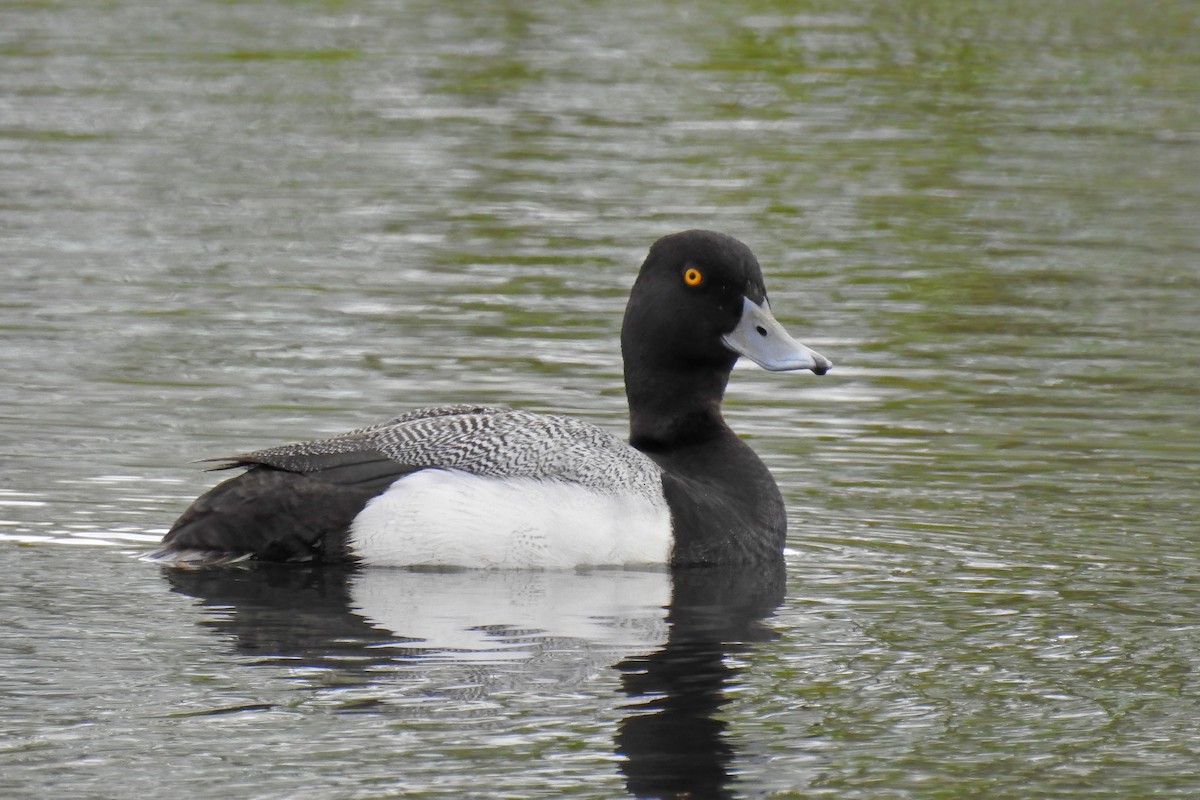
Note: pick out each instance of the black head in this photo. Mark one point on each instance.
(698, 303)
(688, 295)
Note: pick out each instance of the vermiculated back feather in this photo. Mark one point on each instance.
(481, 440)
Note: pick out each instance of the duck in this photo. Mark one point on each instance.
(489, 487)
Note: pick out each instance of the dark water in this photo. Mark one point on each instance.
(224, 226)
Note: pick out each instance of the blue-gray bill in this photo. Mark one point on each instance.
(760, 338)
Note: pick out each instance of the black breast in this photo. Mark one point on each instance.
(725, 506)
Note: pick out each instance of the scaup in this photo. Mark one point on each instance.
(485, 487)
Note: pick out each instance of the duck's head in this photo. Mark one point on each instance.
(699, 303)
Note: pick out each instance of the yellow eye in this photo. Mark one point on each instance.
(692, 276)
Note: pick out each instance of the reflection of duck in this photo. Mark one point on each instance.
(490, 487)
(675, 745)
(618, 610)
(345, 618)
(504, 628)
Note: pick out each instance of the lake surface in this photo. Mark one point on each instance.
(225, 226)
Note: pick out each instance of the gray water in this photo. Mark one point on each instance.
(225, 226)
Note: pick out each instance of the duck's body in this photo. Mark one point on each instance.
(496, 488)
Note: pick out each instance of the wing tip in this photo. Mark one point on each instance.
(192, 558)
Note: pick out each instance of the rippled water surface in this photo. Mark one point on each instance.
(224, 226)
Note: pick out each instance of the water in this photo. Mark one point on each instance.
(226, 226)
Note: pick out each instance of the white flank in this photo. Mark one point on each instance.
(438, 517)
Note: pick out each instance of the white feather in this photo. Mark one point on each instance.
(440, 517)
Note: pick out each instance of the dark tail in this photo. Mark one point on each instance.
(269, 515)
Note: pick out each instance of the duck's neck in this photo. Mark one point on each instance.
(670, 408)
